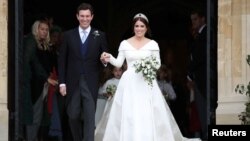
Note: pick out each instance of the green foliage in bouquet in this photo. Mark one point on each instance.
(111, 89)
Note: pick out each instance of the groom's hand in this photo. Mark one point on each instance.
(62, 90)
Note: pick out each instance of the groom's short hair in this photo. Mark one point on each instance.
(85, 6)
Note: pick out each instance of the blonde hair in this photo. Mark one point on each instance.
(45, 42)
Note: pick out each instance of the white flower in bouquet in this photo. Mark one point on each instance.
(148, 67)
(111, 89)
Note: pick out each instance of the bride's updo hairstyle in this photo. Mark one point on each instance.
(141, 17)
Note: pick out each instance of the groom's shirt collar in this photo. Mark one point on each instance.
(87, 30)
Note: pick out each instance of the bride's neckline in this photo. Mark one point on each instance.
(139, 47)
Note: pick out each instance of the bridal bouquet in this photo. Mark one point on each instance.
(111, 89)
(148, 67)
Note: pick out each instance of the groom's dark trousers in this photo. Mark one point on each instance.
(80, 102)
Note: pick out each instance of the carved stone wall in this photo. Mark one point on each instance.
(233, 48)
(3, 71)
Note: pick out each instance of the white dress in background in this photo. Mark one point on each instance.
(101, 126)
(100, 105)
(167, 90)
(103, 102)
(112, 81)
(139, 112)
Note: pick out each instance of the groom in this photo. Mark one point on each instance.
(78, 69)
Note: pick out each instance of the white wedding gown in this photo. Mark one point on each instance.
(139, 112)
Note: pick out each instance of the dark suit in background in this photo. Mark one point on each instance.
(198, 72)
(79, 70)
(202, 70)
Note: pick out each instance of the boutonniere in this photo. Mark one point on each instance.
(96, 33)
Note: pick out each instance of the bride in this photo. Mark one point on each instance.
(139, 111)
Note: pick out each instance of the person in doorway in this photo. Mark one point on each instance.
(78, 70)
(36, 68)
(197, 71)
(105, 75)
(109, 89)
(164, 82)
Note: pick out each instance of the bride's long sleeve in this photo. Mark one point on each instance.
(118, 62)
(156, 53)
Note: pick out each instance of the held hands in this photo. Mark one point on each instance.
(105, 57)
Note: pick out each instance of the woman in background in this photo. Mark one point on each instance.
(36, 79)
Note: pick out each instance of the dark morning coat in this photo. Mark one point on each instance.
(72, 63)
(197, 68)
(34, 75)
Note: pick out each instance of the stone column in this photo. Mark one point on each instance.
(3, 70)
(233, 48)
